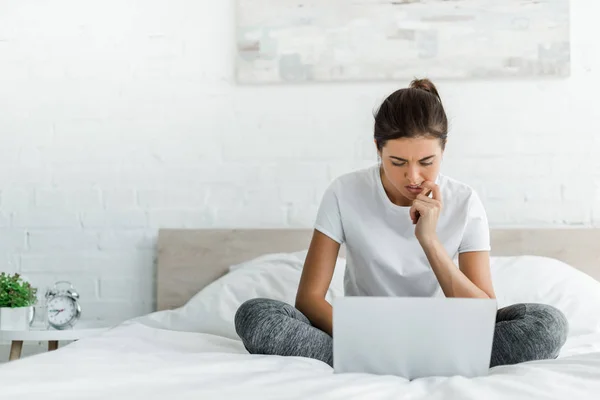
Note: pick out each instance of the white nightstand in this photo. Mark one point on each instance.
(52, 336)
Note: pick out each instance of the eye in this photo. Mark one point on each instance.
(403, 164)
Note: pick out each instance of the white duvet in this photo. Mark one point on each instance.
(192, 352)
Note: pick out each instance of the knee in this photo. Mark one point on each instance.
(552, 321)
(249, 314)
(246, 314)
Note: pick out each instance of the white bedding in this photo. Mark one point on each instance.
(136, 361)
(165, 355)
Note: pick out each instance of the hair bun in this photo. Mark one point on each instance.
(426, 85)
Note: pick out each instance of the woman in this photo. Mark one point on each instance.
(403, 223)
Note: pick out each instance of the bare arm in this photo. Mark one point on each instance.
(473, 279)
(315, 280)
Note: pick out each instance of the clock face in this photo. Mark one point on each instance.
(61, 310)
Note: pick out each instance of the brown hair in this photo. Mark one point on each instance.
(416, 111)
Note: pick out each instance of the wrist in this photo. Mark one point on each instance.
(429, 241)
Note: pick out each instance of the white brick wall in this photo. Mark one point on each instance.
(120, 117)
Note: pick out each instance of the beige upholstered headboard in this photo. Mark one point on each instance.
(190, 259)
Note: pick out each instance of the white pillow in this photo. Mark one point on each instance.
(212, 310)
(295, 260)
(535, 279)
(519, 279)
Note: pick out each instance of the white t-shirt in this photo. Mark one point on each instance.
(383, 256)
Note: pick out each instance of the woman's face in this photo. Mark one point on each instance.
(408, 162)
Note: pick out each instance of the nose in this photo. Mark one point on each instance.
(412, 175)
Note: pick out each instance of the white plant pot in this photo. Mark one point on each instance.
(16, 319)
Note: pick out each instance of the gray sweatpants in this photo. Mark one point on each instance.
(523, 332)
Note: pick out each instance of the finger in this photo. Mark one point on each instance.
(433, 188)
(437, 193)
(431, 202)
(426, 185)
(415, 211)
(420, 206)
(426, 191)
(413, 214)
(425, 199)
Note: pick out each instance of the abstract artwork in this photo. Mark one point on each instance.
(281, 41)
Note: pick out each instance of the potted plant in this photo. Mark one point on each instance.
(17, 298)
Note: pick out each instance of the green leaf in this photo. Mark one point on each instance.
(15, 292)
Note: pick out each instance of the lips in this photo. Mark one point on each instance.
(414, 189)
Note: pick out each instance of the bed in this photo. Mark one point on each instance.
(188, 348)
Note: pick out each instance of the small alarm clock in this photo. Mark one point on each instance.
(62, 302)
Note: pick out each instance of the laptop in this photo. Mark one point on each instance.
(413, 337)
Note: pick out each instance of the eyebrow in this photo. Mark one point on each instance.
(422, 159)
